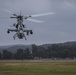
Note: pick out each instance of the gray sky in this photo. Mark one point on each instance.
(57, 28)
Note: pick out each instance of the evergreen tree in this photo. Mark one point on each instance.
(7, 54)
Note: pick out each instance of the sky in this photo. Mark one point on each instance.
(57, 28)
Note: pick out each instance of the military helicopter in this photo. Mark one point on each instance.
(20, 27)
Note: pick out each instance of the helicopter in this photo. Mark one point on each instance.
(20, 27)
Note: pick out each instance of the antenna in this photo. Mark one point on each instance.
(20, 12)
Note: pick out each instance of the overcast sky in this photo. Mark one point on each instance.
(57, 28)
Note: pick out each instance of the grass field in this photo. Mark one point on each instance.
(37, 67)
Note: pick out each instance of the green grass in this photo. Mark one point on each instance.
(38, 68)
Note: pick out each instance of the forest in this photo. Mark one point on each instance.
(53, 51)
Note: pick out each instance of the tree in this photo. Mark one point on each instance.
(0, 55)
(7, 54)
(49, 52)
(34, 50)
(27, 54)
(19, 54)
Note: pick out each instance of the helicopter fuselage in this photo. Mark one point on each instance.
(19, 28)
(20, 35)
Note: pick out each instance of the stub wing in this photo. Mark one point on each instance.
(28, 31)
(12, 30)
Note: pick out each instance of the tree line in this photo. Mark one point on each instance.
(53, 51)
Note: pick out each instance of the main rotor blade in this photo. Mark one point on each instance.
(43, 14)
(8, 11)
(4, 17)
(35, 20)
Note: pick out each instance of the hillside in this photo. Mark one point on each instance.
(13, 48)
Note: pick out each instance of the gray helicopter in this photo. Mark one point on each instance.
(20, 27)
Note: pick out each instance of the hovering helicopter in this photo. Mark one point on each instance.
(20, 27)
